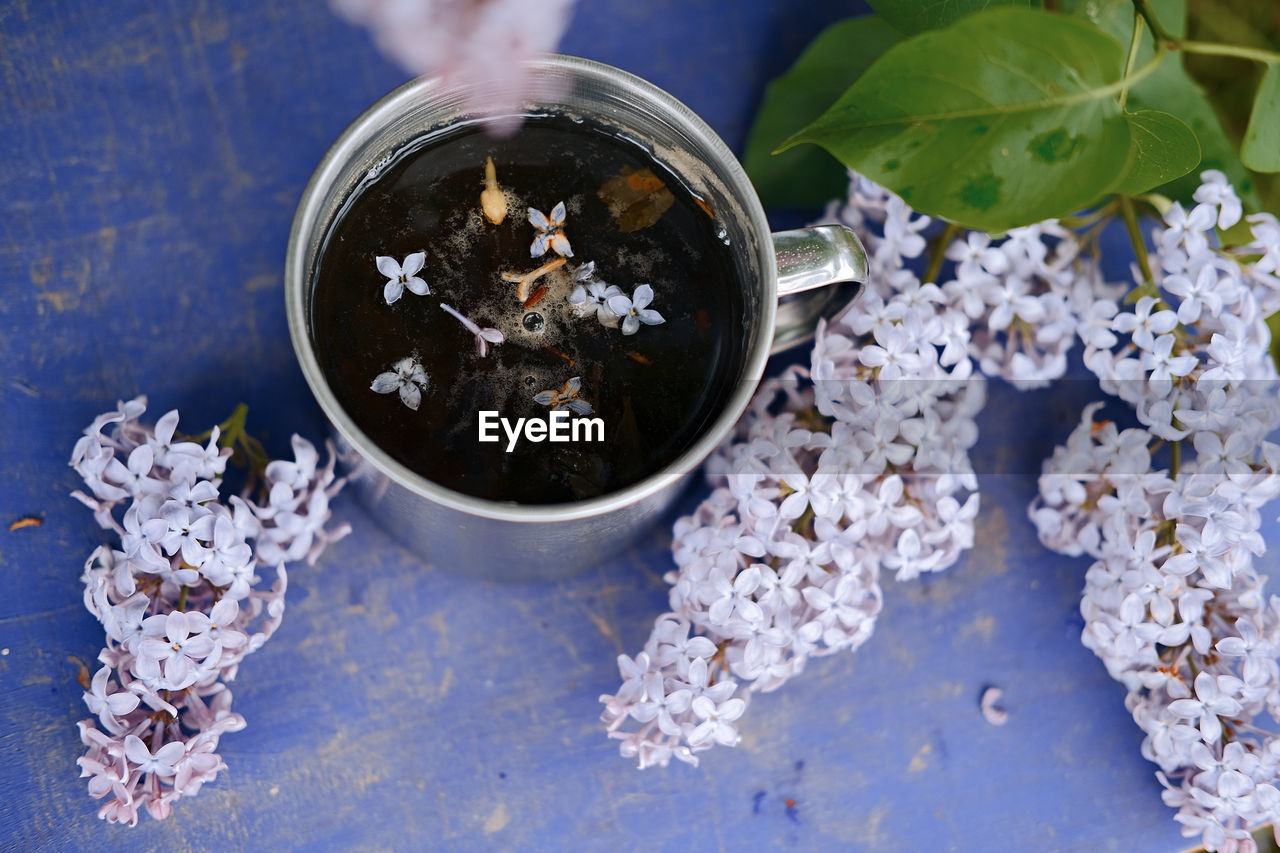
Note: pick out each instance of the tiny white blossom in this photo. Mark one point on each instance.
(550, 232)
(407, 377)
(399, 276)
(635, 310)
(717, 721)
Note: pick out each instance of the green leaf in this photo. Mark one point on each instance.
(915, 16)
(1171, 89)
(1260, 149)
(810, 176)
(1163, 147)
(1006, 117)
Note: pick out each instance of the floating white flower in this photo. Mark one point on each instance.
(591, 297)
(400, 276)
(635, 310)
(550, 233)
(405, 376)
(566, 398)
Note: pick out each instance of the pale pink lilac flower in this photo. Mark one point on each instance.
(819, 502)
(1185, 626)
(634, 310)
(591, 297)
(480, 46)
(172, 647)
(406, 377)
(1170, 552)
(402, 275)
(484, 337)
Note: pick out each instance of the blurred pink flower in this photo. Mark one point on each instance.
(480, 43)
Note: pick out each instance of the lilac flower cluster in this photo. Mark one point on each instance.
(861, 472)
(482, 44)
(610, 305)
(1172, 603)
(855, 465)
(178, 598)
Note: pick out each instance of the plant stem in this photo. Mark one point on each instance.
(935, 260)
(1144, 9)
(1209, 48)
(1135, 237)
(1175, 459)
(1135, 42)
(233, 427)
(182, 599)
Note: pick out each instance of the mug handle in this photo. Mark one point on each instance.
(810, 258)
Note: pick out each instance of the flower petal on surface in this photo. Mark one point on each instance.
(560, 244)
(410, 395)
(385, 383)
(413, 263)
(620, 305)
(388, 266)
(642, 296)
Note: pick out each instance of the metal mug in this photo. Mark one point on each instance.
(506, 540)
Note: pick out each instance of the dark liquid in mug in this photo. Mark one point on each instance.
(655, 391)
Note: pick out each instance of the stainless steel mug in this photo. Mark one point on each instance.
(507, 540)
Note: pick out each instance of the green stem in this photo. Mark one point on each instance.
(1209, 48)
(1175, 459)
(182, 599)
(232, 428)
(1135, 42)
(1144, 9)
(935, 261)
(1135, 237)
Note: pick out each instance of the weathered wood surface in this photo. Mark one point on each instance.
(152, 155)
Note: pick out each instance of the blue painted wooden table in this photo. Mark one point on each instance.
(152, 155)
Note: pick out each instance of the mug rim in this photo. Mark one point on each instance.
(306, 220)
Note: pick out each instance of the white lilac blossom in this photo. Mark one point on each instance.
(550, 233)
(635, 309)
(838, 472)
(566, 398)
(591, 297)
(401, 276)
(406, 376)
(1172, 602)
(179, 599)
(482, 46)
(484, 337)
